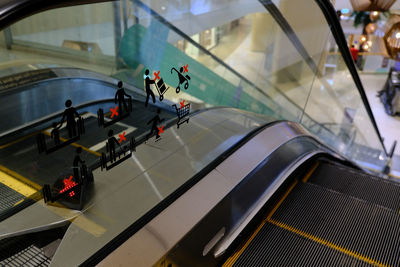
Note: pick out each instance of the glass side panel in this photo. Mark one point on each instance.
(233, 65)
(245, 59)
(334, 101)
(121, 39)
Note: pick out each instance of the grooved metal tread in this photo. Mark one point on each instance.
(350, 182)
(275, 246)
(365, 229)
(8, 197)
(31, 256)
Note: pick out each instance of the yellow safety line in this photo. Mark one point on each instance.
(232, 259)
(79, 219)
(20, 178)
(282, 199)
(107, 218)
(15, 204)
(61, 138)
(16, 185)
(89, 226)
(77, 145)
(24, 189)
(394, 176)
(327, 243)
(308, 175)
(18, 140)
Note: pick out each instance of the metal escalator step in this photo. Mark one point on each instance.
(350, 182)
(275, 246)
(368, 230)
(8, 197)
(31, 256)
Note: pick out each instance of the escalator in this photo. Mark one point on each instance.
(333, 215)
(279, 168)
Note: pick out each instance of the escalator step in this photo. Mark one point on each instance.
(31, 256)
(348, 181)
(8, 197)
(369, 231)
(274, 246)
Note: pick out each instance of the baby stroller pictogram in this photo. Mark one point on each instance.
(182, 79)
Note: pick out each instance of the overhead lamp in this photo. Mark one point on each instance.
(374, 15)
(370, 28)
(372, 5)
(363, 38)
(392, 36)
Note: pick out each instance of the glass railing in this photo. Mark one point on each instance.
(334, 99)
(268, 58)
(264, 58)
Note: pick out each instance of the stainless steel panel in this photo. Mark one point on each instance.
(179, 218)
(125, 193)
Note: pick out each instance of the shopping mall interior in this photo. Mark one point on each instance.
(199, 133)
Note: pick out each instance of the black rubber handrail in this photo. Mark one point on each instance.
(332, 19)
(50, 117)
(122, 237)
(15, 10)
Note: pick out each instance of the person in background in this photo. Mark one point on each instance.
(396, 65)
(354, 53)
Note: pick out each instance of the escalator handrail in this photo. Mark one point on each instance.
(15, 10)
(122, 237)
(50, 117)
(330, 15)
(337, 31)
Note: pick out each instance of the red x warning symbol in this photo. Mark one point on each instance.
(185, 68)
(68, 184)
(182, 103)
(122, 137)
(160, 130)
(114, 111)
(156, 77)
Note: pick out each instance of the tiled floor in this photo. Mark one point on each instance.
(389, 126)
(342, 90)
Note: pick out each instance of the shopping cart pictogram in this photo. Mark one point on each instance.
(183, 114)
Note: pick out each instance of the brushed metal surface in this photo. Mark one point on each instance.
(171, 225)
(125, 193)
